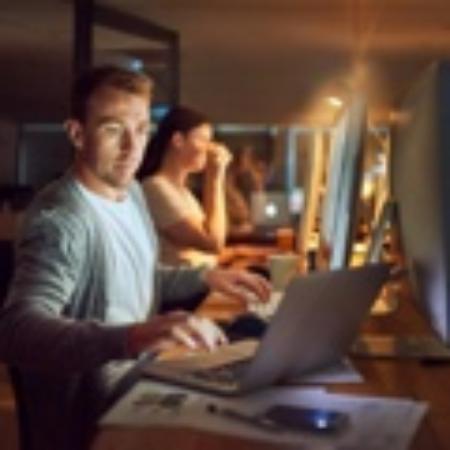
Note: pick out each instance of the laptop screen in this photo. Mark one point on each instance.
(270, 209)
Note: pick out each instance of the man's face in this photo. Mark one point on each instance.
(111, 141)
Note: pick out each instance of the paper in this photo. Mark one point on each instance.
(376, 423)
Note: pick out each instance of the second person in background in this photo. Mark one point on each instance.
(192, 232)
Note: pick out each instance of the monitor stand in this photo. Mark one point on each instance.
(387, 301)
(424, 347)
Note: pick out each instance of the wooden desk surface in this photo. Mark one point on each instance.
(399, 378)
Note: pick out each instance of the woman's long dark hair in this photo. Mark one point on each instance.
(179, 119)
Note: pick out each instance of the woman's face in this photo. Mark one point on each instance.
(194, 146)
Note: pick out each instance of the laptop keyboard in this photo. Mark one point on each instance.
(225, 374)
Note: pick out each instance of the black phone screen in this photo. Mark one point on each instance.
(307, 419)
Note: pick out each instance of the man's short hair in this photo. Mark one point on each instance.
(120, 78)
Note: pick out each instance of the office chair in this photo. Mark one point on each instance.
(21, 410)
(6, 271)
(6, 267)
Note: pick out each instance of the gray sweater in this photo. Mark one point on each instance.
(52, 327)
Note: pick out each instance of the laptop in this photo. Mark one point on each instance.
(269, 209)
(314, 327)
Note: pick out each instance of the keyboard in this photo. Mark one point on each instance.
(224, 374)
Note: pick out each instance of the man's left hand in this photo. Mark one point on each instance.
(246, 286)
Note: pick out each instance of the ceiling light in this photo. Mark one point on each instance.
(335, 102)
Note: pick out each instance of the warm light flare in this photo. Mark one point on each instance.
(336, 102)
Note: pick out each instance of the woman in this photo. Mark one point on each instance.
(191, 232)
(245, 176)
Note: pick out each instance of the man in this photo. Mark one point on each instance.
(83, 286)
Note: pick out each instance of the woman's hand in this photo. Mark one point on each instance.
(219, 157)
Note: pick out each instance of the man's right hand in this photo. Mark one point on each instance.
(175, 329)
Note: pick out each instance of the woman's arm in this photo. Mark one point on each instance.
(214, 194)
(185, 222)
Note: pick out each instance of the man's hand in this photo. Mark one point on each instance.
(175, 329)
(246, 286)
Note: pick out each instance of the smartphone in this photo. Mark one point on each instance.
(307, 419)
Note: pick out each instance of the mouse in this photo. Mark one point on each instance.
(246, 325)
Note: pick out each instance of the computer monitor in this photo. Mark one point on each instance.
(339, 212)
(421, 187)
(43, 153)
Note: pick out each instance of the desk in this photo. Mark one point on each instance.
(242, 255)
(406, 378)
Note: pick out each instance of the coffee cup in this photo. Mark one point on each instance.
(282, 267)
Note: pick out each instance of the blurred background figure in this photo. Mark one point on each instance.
(192, 231)
(246, 175)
